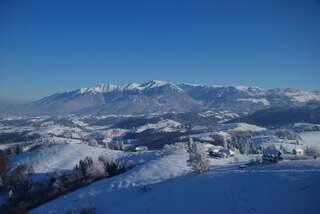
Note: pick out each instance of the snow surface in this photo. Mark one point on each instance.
(60, 157)
(207, 136)
(263, 101)
(302, 96)
(311, 138)
(289, 187)
(164, 125)
(162, 181)
(226, 129)
(155, 170)
(297, 95)
(243, 127)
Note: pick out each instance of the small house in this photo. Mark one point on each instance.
(141, 149)
(298, 151)
(221, 153)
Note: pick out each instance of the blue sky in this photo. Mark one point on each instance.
(52, 46)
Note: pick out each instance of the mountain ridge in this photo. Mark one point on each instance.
(158, 96)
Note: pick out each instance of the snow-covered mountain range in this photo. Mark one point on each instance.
(161, 96)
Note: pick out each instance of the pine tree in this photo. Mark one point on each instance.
(198, 157)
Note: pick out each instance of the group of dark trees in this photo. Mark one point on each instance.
(282, 116)
(13, 137)
(83, 210)
(244, 145)
(287, 135)
(4, 162)
(20, 148)
(24, 193)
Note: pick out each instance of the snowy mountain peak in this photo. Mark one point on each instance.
(159, 83)
(249, 88)
(103, 88)
(154, 84)
(150, 85)
(132, 86)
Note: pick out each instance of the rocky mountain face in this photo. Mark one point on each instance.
(156, 97)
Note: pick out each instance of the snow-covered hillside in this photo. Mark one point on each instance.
(284, 188)
(251, 169)
(164, 126)
(311, 138)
